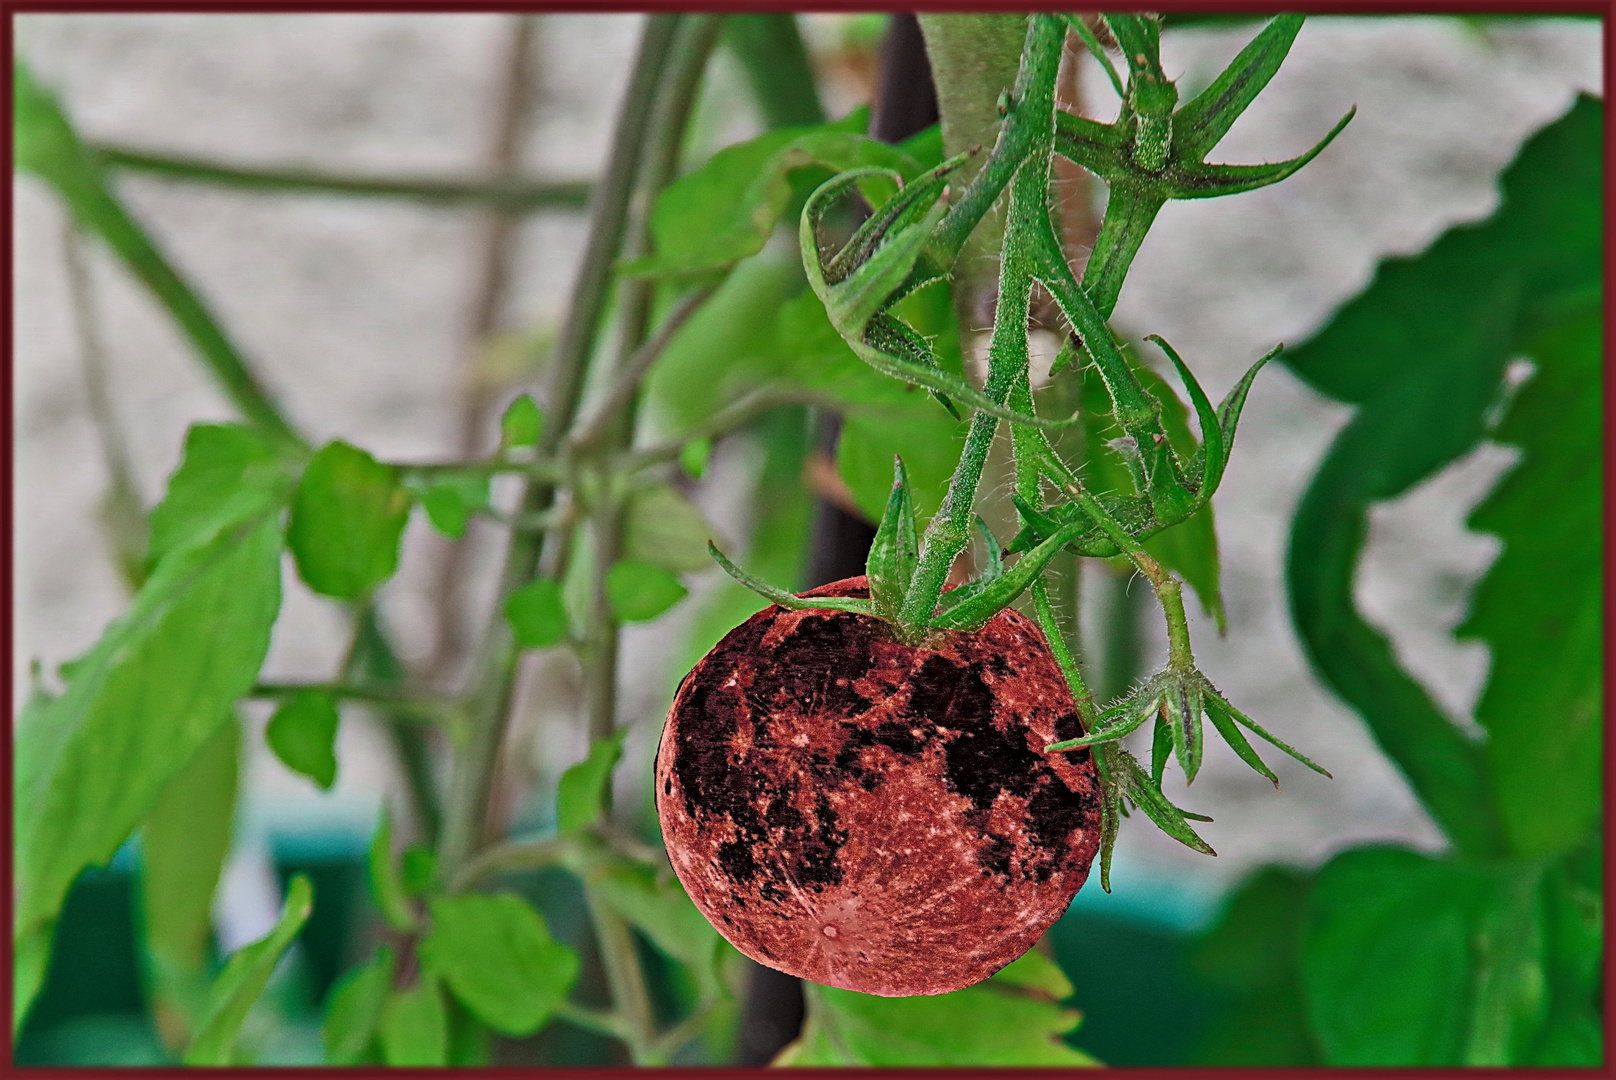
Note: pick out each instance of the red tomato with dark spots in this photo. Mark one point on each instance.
(873, 815)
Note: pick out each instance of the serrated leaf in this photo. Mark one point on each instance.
(303, 734)
(640, 591)
(1422, 351)
(228, 474)
(537, 613)
(353, 1010)
(243, 979)
(580, 795)
(386, 888)
(663, 527)
(498, 957)
(521, 425)
(183, 844)
(995, 1023)
(91, 765)
(415, 1025)
(348, 515)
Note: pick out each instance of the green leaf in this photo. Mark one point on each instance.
(726, 210)
(657, 906)
(348, 515)
(228, 474)
(353, 1010)
(385, 886)
(415, 1025)
(418, 869)
(243, 980)
(1539, 607)
(183, 846)
(580, 795)
(895, 550)
(139, 706)
(639, 591)
(499, 959)
(663, 527)
(537, 613)
(693, 457)
(522, 424)
(303, 734)
(1422, 351)
(450, 499)
(1411, 960)
(1008, 1020)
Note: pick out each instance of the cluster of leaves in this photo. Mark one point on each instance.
(1488, 954)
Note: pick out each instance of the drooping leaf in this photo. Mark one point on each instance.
(1411, 960)
(522, 424)
(183, 846)
(243, 980)
(348, 515)
(382, 872)
(1011, 1019)
(415, 1025)
(1422, 351)
(639, 591)
(580, 795)
(1540, 606)
(353, 1010)
(91, 765)
(498, 957)
(228, 474)
(663, 527)
(303, 734)
(537, 613)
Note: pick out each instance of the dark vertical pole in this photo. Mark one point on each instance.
(905, 104)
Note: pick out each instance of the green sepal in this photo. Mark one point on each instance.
(1211, 449)
(1235, 400)
(1136, 786)
(1256, 729)
(896, 548)
(1199, 180)
(1237, 742)
(1205, 119)
(785, 599)
(995, 595)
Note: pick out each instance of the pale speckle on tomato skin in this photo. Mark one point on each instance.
(816, 775)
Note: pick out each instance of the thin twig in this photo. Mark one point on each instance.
(511, 855)
(739, 413)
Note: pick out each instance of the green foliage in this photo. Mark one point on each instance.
(415, 1025)
(348, 515)
(639, 591)
(498, 957)
(581, 793)
(303, 734)
(354, 1010)
(1011, 1019)
(228, 474)
(521, 425)
(386, 887)
(654, 904)
(243, 980)
(537, 614)
(451, 499)
(663, 527)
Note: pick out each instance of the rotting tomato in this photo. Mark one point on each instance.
(873, 815)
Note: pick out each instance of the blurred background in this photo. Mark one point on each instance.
(389, 322)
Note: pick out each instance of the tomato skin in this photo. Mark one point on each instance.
(872, 815)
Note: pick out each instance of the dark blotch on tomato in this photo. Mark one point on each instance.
(873, 815)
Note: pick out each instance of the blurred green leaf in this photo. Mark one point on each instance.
(243, 980)
(1422, 351)
(303, 734)
(1411, 960)
(382, 872)
(580, 795)
(663, 527)
(183, 845)
(522, 424)
(92, 763)
(353, 1010)
(1574, 926)
(415, 1026)
(418, 869)
(726, 210)
(657, 906)
(1008, 1020)
(499, 959)
(640, 591)
(228, 474)
(537, 615)
(693, 457)
(1539, 609)
(450, 500)
(348, 514)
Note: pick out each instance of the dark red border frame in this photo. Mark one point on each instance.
(1605, 8)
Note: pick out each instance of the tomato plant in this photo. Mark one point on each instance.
(891, 785)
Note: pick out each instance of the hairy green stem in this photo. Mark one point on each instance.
(501, 193)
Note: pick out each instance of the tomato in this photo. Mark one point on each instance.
(873, 815)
